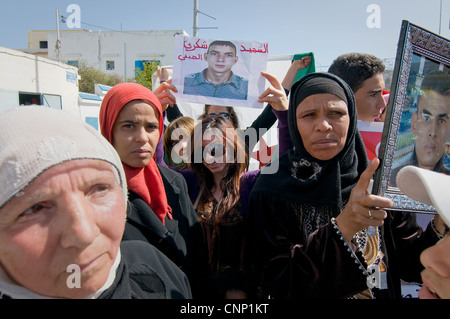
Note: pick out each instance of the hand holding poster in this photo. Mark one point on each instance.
(219, 72)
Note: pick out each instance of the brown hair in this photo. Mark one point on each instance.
(186, 123)
(230, 184)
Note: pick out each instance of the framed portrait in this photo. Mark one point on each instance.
(417, 125)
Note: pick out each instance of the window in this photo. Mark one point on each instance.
(29, 98)
(73, 63)
(50, 100)
(140, 65)
(109, 65)
(53, 101)
(43, 44)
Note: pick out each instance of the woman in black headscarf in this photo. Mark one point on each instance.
(303, 218)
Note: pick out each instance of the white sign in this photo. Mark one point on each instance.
(219, 72)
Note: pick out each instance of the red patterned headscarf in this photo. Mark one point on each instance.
(144, 181)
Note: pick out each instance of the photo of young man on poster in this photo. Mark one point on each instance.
(218, 79)
(219, 71)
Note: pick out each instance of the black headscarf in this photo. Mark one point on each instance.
(305, 179)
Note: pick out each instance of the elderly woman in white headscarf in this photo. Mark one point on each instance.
(62, 216)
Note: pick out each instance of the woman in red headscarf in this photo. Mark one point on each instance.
(159, 211)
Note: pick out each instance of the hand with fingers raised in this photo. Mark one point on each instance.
(164, 94)
(275, 94)
(363, 209)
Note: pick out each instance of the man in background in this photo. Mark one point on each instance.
(364, 74)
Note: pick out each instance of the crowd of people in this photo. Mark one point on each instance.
(140, 210)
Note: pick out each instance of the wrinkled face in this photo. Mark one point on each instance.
(72, 214)
(430, 125)
(323, 122)
(369, 98)
(135, 133)
(221, 58)
(436, 275)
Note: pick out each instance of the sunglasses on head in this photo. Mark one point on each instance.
(224, 114)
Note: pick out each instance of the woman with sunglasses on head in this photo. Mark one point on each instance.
(223, 182)
(219, 187)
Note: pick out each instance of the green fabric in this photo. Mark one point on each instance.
(311, 68)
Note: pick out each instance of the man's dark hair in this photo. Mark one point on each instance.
(224, 43)
(355, 68)
(438, 81)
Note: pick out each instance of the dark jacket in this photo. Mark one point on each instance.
(403, 241)
(145, 273)
(181, 238)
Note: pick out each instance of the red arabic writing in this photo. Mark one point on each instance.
(190, 47)
(261, 49)
(190, 57)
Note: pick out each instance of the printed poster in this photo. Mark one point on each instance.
(219, 72)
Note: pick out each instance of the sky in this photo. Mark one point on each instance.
(328, 28)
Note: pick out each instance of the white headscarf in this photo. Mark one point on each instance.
(36, 138)
(32, 140)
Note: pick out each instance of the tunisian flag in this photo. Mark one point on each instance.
(371, 133)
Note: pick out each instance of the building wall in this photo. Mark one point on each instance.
(123, 48)
(36, 37)
(27, 73)
(34, 40)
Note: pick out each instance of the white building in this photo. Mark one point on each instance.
(118, 52)
(30, 79)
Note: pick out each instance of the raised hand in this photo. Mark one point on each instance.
(275, 94)
(164, 95)
(363, 209)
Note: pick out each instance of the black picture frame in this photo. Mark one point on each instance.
(419, 52)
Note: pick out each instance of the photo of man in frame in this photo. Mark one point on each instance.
(429, 122)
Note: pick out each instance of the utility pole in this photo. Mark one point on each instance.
(58, 41)
(195, 26)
